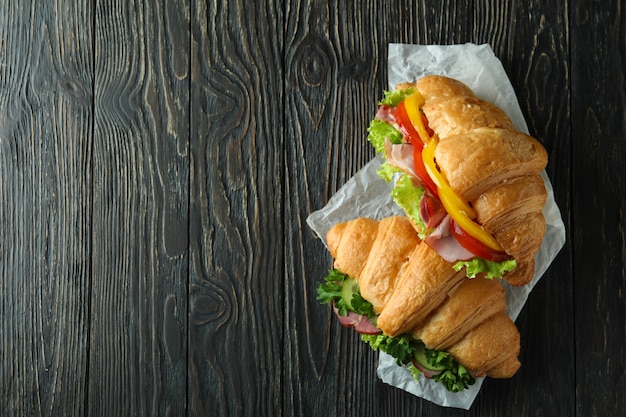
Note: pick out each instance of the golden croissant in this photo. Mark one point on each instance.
(414, 291)
(466, 173)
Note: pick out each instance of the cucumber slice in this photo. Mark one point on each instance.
(348, 288)
(420, 356)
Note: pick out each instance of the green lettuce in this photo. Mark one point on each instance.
(393, 98)
(453, 376)
(378, 131)
(387, 172)
(479, 265)
(407, 195)
(403, 347)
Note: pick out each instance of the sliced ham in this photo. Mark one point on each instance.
(431, 210)
(428, 373)
(387, 114)
(442, 229)
(351, 320)
(359, 322)
(449, 249)
(446, 245)
(401, 157)
(365, 326)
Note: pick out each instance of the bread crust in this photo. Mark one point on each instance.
(351, 247)
(422, 286)
(476, 162)
(488, 345)
(511, 200)
(458, 115)
(437, 86)
(475, 301)
(395, 242)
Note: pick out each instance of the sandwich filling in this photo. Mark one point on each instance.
(352, 310)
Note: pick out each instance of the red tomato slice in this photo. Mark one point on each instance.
(475, 246)
(407, 127)
(411, 135)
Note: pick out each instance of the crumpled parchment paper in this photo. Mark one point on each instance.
(366, 195)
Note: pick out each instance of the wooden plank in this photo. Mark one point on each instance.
(45, 206)
(236, 293)
(599, 202)
(333, 60)
(137, 355)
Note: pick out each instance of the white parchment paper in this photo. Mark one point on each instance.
(366, 195)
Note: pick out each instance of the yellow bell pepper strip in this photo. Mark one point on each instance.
(413, 104)
(413, 137)
(454, 201)
(468, 225)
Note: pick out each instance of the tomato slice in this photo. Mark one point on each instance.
(411, 135)
(475, 246)
(406, 127)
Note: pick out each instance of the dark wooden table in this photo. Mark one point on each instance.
(158, 162)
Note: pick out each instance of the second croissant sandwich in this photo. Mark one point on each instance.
(409, 302)
(468, 180)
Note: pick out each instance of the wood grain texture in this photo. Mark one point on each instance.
(332, 66)
(137, 352)
(158, 160)
(45, 206)
(599, 243)
(236, 290)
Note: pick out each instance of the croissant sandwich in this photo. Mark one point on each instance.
(406, 300)
(421, 287)
(468, 180)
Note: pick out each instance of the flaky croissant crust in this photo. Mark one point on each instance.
(414, 290)
(491, 165)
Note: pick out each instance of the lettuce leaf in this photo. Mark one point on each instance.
(479, 265)
(387, 172)
(400, 347)
(330, 291)
(407, 195)
(378, 131)
(393, 98)
(455, 377)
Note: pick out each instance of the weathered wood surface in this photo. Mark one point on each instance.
(159, 159)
